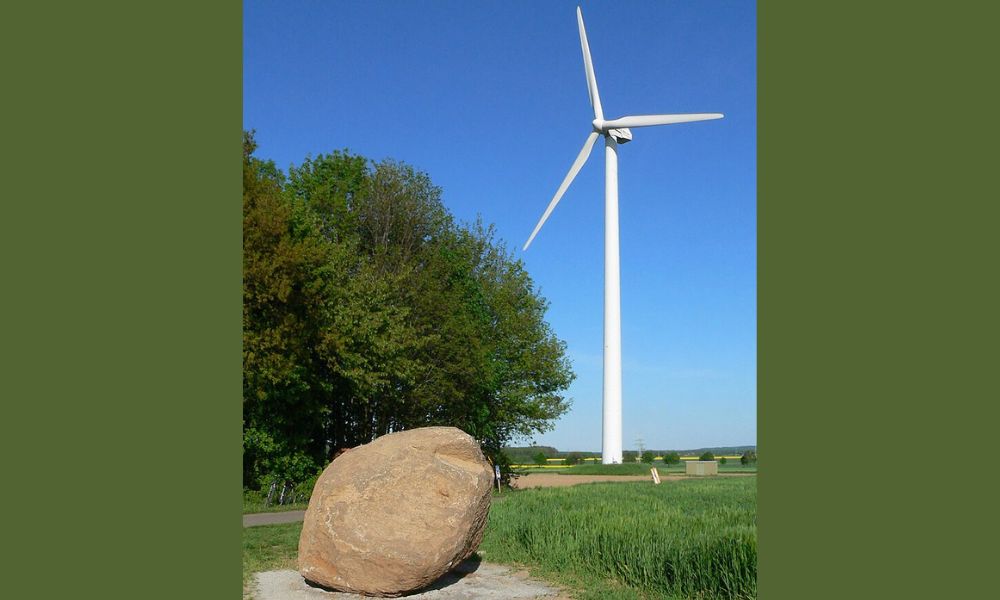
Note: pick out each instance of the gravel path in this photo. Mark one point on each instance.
(290, 516)
(471, 580)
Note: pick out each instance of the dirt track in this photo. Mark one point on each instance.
(556, 480)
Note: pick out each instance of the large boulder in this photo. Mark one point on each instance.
(392, 516)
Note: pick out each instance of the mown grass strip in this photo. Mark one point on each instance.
(269, 547)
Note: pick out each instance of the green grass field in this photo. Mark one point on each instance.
(269, 547)
(683, 539)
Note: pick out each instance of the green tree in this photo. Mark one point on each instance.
(540, 459)
(322, 338)
(629, 456)
(648, 457)
(573, 458)
(707, 456)
(748, 457)
(368, 310)
(287, 285)
(511, 366)
(722, 460)
(671, 458)
(331, 185)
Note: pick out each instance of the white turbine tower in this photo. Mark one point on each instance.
(615, 132)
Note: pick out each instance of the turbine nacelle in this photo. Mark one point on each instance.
(622, 135)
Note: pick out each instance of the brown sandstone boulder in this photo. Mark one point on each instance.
(392, 516)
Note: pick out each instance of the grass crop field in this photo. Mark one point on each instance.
(685, 539)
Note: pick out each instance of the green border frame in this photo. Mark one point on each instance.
(120, 252)
(122, 279)
(877, 245)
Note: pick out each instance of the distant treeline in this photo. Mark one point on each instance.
(367, 309)
(526, 454)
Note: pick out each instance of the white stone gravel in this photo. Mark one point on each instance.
(469, 581)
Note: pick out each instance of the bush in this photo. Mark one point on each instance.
(278, 491)
(722, 460)
(648, 457)
(629, 456)
(304, 490)
(671, 458)
(253, 500)
(748, 457)
(540, 459)
(573, 458)
(707, 456)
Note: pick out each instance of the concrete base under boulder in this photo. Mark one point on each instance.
(470, 580)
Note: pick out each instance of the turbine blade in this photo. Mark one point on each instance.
(573, 170)
(649, 120)
(588, 68)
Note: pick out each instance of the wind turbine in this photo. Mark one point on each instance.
(615, 131)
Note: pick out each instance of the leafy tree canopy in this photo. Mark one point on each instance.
(367, 309)
(671, 458)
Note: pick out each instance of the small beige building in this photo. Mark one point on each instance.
(702, 467)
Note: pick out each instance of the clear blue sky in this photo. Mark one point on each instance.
(490, 99)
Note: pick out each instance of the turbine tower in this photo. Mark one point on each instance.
(615, 131)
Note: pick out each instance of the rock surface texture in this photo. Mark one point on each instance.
(392, 516)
